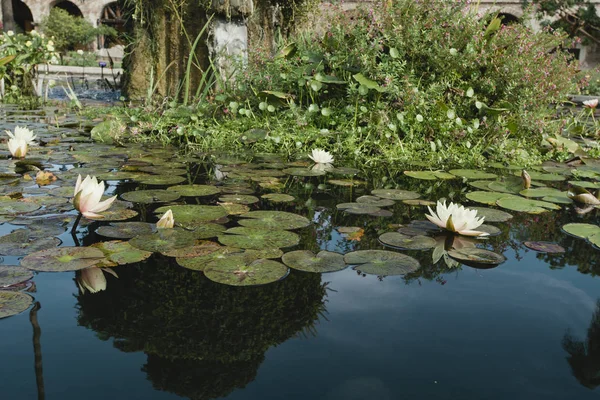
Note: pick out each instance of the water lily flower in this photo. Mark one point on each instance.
(167, 220)
(456, 218)
(321, 156)
(22, 133)
(87, 197)
(322, 167)
(17, 147)
(92, 279)
(593, 103)
(449, 242)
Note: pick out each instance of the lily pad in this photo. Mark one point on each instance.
(545, 247)
(236, 271)
(117, 214)
(491, 230)
(305, 260)
(473, 174)
(201, 248)
(382, 262)
(492, 214)
(164, 240)
(477, 256)
(540, 176)
(581, 230)
(346, 182)
(540, 192)
(199, 262)
(19, 243)
(13, 303)
(254, 238)
(122, 252)
(239, 199)
(358, 208)
(191, 216)
(63, 259)
(526, 205)
(162, 180)
(395, 194)
(125, 230)
(150, 196)
(375, 201)
(419, 202)
(12, 274)
(253, 254)
(487, 197)
(195, 190)
(278, 198)
(17, 207)
(405, 242)
(304, 172)
(273, 220)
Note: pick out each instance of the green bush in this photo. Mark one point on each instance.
(424, 79)
(69, 31)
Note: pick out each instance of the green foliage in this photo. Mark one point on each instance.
(578, 18)
(80, 59)
(69, 31)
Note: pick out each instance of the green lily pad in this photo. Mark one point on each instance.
(17, 207)
(195, 190)
(540, 176)
(201, 248)
(540, 192)
(477, 256)
(273, 220)
(395, 194)
(483, 185)
(304, 260)
(304, 172)
(278, 198)
(491, 230)
(208, 230)
(122, 252)
(239, 199)
(125, 230)
(526, 205)
(13, 303)
(594, 240)
(19, 243)
(162, 180)
(473, 174)
(492, 214)
(419, 202)
(400, 241)
(236, 271)
(199, 262)
(344, 171)
(116, 214)
(164, 240)
(581, 230)
(424, 175)
(358, 208)
(12, 274)
(375, 201)
(191, 216)
(511, 185)
(161, 170)
(254, 238)
(253, 254)
(346, 182)
(586, 184)
(382, 262)
(150, 196)
(487, 197)
(63, 259)
(545, 247)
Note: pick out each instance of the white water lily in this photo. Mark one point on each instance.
(322, 167)
(92, 279)
(17, 147)
(450, 242)
(321, 156)
(593, 103)
(166, 221)
(456, 218)
(88, 195)
(22, 133)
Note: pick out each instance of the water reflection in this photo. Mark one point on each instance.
(584, 355)
(202, 339)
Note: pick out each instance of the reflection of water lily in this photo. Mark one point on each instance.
(22, 133)
(17, 147)
(87, 197)
(449, 242)
(322, 167)
(167, 220)
(92, 279)
(321, 156)
(593, 103)
(456, 218)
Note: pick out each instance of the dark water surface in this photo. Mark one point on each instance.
(527, 329)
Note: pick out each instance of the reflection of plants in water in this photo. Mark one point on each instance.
(584, 355)
(202, 339)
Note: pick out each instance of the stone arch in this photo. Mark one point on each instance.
(68, 6)
(112, 15)
(23, 15)
(508, 18)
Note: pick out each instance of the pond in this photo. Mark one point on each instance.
(429, 318)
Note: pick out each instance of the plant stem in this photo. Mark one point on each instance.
(74, 228)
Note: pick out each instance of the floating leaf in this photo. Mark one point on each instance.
(273, 220)
(235, 208)
(150, 196)
(487, 197)
(19, 243)
(540, 192)
(526, 205)
(13, 303)
(382, 262)
(304, 172)
(236, 271)
(122, 252)
(492, 214)
(12, 274)
(191, 216)
(116, 214)
(164, 240)
(239, 199)
(375, 201)
(395, 194)
(545, 247)
(17, 207)
(278, 197)
(398, 240)
(254, 238)
(199, 262)
(162, 180)
(476, 255)
(358, 208)
(304, 260)
(473, 174)
(581, 230)
(125, 230)
(194, 190)
(63, 259)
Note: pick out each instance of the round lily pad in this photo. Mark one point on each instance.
(164, 240)
(304, 172)
(239, 199)
(12, 274)
(199, 249)
(199, 262)
(162, 180)
(122, 252)
(125, 230)
(273, 220)
(208, 230)
(13, 303)
(513, 185)
(395, 194)
(472, 174)
(358, 208)
(398, 240)
(191, 216)
(375, 201)
(419, 202)
(19, 243)
(236, 271)
(476, 255)
(586, 184)
(539, 192)
(17, 207)
(117, 214)
(581, 230)
(278, 197)
(382, 262)
(424, 175)
(595, 240)
(540, 176)
(235, 208)
(545, 247)
(253, 254)
(492, 214)
(305, 260)
(558, 199)
(63, 259)
(526, 205)
(486, 197)
(344, 171)
(483, 185)
(491, 230)
(254, 238)
(195, 190)
(150, 196)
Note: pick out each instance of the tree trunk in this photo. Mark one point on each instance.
(8, 16)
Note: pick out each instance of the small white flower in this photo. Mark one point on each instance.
(456, 218)
(49, 47)
(34, 33)
(166, 221)
(80, 52)
(92, 279)
(591, 103)
(28, 43)
(10, 33)
(453, 51)
(22, 133)
(321, 156)
(17, 147)
(88, 195)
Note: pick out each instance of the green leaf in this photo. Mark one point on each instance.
(368, 83)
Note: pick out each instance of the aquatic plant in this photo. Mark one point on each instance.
(321, 156)
(22, 133)
(166, 221)
(456, 218)
(88, 194)
(92, 279)
(17, 147)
